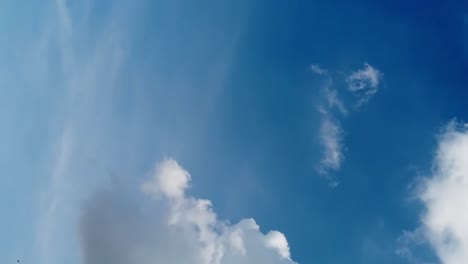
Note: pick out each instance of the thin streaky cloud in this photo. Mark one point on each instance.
(81, 80)
(48, 221)
(331, 137)
(363, 83)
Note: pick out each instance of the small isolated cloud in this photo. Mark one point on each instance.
(318, 70)
(172, 228)
(444, 194)
(364, 83)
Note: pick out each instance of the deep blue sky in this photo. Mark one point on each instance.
(225, 88)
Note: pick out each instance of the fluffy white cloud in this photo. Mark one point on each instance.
(364, 83)
(445, 197)
(172, 228)
(170, 180)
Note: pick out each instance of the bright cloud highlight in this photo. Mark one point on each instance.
(445, 196)
(174, 228)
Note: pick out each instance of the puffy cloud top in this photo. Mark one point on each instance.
(173, 228)
(169, 179)
(445, 196)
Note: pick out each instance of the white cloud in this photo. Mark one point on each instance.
(277, 241)
(172, 228)
(444, 194)
(169, 180)
(334, 102)
(330, 132)
(331, 138)
(54, 203)
(82, 74)
(368, 74)
(364, 83)
(318, 70)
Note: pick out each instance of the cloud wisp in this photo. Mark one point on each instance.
(318, 69)
(173, 227)
(330, 132)
(331, 139)
(82, 74)
(48, 221)
(363, 83)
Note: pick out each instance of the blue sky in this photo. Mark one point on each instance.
(338, 126)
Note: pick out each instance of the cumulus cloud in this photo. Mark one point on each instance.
(364, 83)
(171, 227)
(444, 223)
(171, 180)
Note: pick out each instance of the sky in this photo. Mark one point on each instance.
(227, 132)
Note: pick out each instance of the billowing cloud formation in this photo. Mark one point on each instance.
(172, 228)
(445, 196)
(364, 83)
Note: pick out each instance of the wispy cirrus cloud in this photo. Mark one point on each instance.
(64, 150)
(363, 83)
(77, 76)
(331, 139)
(330, 132)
